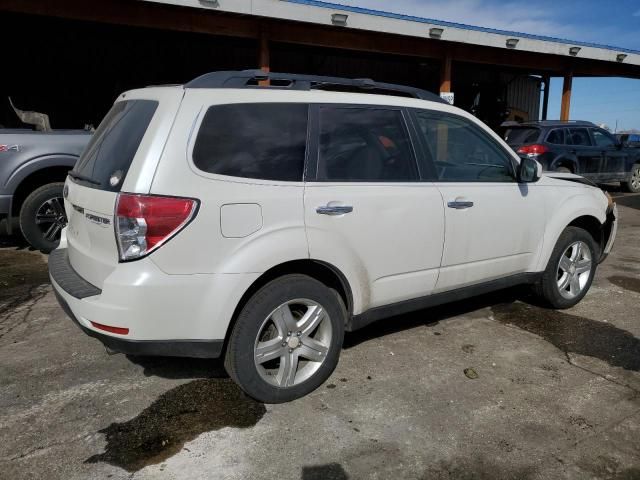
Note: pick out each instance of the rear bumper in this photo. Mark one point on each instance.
(168, 315)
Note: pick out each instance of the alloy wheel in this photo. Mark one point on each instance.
(51, 218)
(574, 269)
(292, 342)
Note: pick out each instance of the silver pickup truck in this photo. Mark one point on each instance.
(33, 167)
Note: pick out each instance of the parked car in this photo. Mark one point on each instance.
(258, 223)
(631, 140)
(33, 167)
(578, 147)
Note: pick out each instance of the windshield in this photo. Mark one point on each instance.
(106, 160)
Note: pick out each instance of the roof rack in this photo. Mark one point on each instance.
(583, 123)
(289, 81)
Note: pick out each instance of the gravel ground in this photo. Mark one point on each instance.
(491, 388)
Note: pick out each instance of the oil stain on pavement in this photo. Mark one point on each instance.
(628, 283)
(574, 334)
(176, 417)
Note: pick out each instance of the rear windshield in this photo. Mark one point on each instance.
(107, 158)
(520, 135)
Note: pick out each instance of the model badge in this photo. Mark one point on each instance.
(9, 148)
(102, 221)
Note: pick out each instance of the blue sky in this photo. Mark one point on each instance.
(615, 23)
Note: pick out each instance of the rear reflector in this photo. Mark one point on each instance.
(144, 222)
(533, 149)
(107, 328)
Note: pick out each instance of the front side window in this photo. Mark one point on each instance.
(364, 144)
(462, 152)
(602, 139)
(579, 137)
(262, 140)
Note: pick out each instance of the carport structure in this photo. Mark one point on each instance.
(91, 51)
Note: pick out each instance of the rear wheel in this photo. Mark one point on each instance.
(570, 270)
(42, 217)
(633, 184)
(287, 339)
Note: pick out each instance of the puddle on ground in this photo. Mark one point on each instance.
(20, 271)
(628, 283)
(574, 334)
(176, 417)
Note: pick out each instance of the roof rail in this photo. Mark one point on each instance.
(583, 123)
(251, 78)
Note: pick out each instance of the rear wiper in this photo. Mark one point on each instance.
(79, 176)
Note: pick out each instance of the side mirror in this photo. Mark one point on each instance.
(529, 171)
(619, 145)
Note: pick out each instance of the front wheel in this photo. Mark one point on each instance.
(633, 184)
(42, 217)
(287, 339)
(570, 270)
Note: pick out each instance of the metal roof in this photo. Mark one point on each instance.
(463, 26)
(320, 12)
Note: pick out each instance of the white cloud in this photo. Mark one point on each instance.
(636, 14)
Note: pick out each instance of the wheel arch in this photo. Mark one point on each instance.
(322, 271)
(565, 161)
(578, 211)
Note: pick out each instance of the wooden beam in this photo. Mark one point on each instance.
(264, 57)
(566, 96)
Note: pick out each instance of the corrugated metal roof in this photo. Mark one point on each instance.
(412, 18)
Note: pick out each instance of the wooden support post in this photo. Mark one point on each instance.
(443, 130)
(545, 98)
(263, 56)
(566, 96)
(445, 73)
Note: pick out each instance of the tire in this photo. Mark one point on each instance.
(42, 217)
(564, 170)
(262, 327)
(633, 184)
(556, 275)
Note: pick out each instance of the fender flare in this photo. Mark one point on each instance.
(576, 206)
(36, 164)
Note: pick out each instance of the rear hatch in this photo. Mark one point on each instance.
(522, 135)
(121, 157)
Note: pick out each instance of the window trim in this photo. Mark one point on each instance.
(313, 146)
(431, 163)
(195, 130)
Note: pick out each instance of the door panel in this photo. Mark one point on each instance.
(392, 238)
(589, 156)
(497, 236)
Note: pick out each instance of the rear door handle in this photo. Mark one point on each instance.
(334, 209)
(460, 204)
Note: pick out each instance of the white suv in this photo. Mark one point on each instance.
(259, 222)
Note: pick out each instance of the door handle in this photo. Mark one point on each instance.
(334, 210)
(460, 204)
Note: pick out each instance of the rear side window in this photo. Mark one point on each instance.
(262, 140)
(556, 136)
(579, 137)
(522, 135)
(108, 156)
(364, 144)
(603, 139)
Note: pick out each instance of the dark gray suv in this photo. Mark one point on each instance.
(578, 147)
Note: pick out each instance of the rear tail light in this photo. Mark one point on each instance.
(145, 222)
(533, 150)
